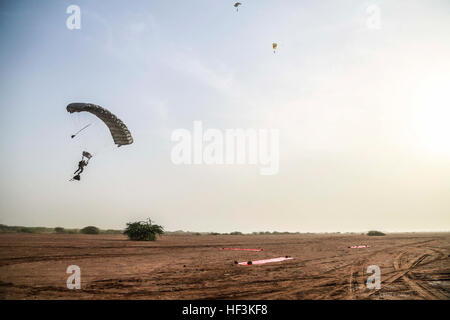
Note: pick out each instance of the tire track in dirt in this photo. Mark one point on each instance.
(339, 281)
(405, 277)
(422, 287)
(354, 273)
(353, 276)
(360, 264)
(402, 271)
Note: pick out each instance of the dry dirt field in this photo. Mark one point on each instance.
(413, 266)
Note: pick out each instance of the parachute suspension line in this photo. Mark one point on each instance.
(74, 135)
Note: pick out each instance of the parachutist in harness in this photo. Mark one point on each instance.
(83, 163)
(81, 166)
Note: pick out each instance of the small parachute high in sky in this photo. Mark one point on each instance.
(119, 131)
(274, 46)
(236, 5)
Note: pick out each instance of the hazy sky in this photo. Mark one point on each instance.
(363, 113)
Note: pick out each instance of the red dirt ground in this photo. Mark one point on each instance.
(413, 266)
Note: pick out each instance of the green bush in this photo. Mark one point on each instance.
(375, 233)
(90, 230)
(5, 229)
(25, 230)
(236, 233)
(60, 230)
(143, 230)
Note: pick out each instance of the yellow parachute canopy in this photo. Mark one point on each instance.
(274, 46)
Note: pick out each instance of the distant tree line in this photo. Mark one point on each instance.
(57, 230)
(146, 230)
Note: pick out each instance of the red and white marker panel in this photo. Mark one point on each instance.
(242, 249)
(265, 261)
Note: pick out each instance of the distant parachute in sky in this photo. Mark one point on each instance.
(274, 46)
(236, 5)
(119, 131)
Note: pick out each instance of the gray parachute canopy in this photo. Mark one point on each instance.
(119, 130)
